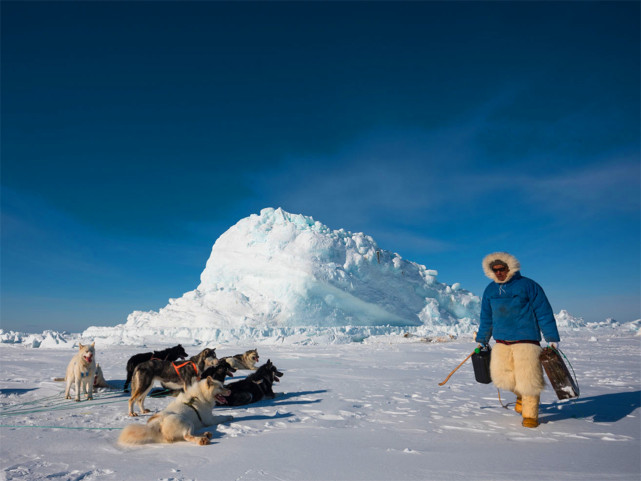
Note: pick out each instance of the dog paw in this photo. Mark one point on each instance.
(146, 411)
(207, 434)
(133, 415)
(204, 441)
(77, 400)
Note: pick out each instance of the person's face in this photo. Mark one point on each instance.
(500, 272)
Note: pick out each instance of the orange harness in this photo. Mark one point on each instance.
(183, 365)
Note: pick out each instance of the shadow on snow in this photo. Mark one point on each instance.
(605, 408)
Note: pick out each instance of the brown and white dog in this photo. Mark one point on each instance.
(172, 375)
(246, 360)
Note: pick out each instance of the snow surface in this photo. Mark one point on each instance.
(280, 276)
(359, 411)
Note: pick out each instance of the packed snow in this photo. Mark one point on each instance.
(363, 338)
(361, 411)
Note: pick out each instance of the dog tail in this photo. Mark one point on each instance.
(141, 434)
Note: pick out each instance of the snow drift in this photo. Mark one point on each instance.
(281, 276)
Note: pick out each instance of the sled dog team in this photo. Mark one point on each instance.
(200, 380)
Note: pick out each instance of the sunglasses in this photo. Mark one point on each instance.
(500, 269)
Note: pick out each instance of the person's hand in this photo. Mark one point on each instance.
(555, 345)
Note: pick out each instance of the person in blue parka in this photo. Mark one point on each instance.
(515, 311)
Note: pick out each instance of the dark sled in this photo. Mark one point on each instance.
(481, 364)
(558, 374)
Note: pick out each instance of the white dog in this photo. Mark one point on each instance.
(190, 411)
(81, 371)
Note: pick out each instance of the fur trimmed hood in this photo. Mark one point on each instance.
(511, 261)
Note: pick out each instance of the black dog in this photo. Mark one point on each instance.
(254, 387)
(169, 354)
(171, 375)
(219, 372)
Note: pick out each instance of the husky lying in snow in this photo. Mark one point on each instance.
(220, 371)
(172, 376)
(247, 360)
(169, 354)
(255, 386)
(186, 414)
(81, 371)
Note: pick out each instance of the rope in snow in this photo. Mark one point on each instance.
(50, 427)
(57, 404)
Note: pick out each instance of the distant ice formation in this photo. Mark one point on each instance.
(288, 278)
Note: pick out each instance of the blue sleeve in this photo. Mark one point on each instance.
(485, 328)
(544, 314)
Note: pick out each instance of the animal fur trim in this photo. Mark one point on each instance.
(517, 368)
(511, 261)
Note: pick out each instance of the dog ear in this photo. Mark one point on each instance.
(80, 346)
(210, 381)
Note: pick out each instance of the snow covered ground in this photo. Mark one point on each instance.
(359, 411)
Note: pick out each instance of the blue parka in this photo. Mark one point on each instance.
(516, 310)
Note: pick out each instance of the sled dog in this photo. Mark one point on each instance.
(172, 375)
(98, 380)
(189, 412)
(169, 354)
(254, 387)
(247, 360)
(81, 371)
(220, 371)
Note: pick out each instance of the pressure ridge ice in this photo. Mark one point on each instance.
(286, 277)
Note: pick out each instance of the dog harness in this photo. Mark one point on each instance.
(182, 365)
(191, 405)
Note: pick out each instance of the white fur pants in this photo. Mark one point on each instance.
(517, 368)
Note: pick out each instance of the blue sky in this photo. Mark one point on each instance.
(136, 133)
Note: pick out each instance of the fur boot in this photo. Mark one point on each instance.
(530, 411)
(517, 368)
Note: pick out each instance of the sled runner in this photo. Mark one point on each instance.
(562, 382)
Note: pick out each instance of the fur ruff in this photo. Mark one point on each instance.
(517, 368)
(511, 261)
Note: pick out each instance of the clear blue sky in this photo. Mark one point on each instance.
(136, 133)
